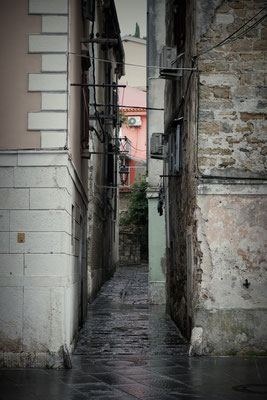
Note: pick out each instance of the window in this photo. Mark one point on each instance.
(174, 151)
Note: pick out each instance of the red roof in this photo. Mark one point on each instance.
(132, 97)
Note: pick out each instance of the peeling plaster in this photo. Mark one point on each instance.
(206, 262)
(229, 332)
(233, 237)
(12, 345)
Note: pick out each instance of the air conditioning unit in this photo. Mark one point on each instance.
(169, 61)
(156, 144)
(157, 148)
(134, 121)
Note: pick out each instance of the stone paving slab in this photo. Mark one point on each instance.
(121, 321)
(129, 350)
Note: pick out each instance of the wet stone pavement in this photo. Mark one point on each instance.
(130, 350)
(121, 322)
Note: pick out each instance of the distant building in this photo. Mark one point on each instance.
(132, 99)
(133, 133)
(135, 53)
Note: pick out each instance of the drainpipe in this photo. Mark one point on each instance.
(107, 110)
(147, 87)
(116, 156)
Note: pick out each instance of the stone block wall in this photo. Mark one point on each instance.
(129, 247)
(43, 294)
(229, 273)
(232, 128)
(124, 202)
(130, 237)
(216, 269)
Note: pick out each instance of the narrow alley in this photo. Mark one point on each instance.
(128, 349)
(133, 197)
(121, 322)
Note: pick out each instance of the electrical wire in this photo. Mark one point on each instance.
(248, 29)
(131, 106)
(135, 148)
(86, 109)
(217, 177)
(119, 186)
(130, 143)
(232, 38)
(228, 39)
(130, 64)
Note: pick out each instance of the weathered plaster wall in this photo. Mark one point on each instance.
(228, 302)
(217, 230)
(231, 300)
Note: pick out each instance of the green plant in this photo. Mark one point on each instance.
(137, 30)
(138, 207)
(123, 118)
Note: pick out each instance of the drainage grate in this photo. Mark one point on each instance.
(252, 388)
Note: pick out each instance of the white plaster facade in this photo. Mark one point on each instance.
(42, 199)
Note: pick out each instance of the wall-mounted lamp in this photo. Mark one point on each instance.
(124, 172)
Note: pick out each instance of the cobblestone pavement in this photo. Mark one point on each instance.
(130, 350)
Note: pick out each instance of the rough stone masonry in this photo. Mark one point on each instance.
(217, 269)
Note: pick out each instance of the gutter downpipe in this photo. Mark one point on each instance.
(147, 87)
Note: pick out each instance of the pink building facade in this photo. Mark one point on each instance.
(133, 133)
